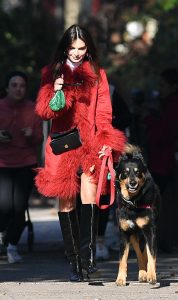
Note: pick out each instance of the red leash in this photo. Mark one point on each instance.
(106, 162)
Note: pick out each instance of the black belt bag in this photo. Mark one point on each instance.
(66, 141)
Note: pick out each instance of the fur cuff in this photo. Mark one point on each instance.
(113, 138)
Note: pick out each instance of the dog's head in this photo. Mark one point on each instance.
(131, 171)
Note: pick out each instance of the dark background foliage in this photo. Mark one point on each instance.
(28, 37)
(30, 31)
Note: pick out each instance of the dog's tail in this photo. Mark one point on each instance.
(130, 149)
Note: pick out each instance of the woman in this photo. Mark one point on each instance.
(75, 70)
(20, 135)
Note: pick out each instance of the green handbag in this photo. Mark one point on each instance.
(58, 102)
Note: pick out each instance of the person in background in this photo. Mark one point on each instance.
(121, 115)
(162, 133)
(137, 109)
(87, 107)
(121, 119)
(20, 135)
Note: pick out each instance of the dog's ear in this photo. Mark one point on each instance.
(138, 155)
(121, 158)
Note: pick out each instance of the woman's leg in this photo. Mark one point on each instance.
(70, 231)
(88, 190)
(67, 205)
(22, 187)
(88, 223)
(22, 179)
(6, 201)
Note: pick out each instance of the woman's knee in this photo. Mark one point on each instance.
(67, 205)
(88, 190)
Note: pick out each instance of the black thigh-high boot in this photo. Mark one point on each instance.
(70, 232)
(88, 232)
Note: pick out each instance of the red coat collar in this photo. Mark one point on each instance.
(82, 74)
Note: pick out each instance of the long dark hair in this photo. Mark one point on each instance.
(69, 36)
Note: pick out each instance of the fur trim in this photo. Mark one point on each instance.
(83, 74)
(63, 185)
(42, 107)
(113, 138)
(51, 186)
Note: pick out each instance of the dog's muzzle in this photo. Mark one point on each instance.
(132, 186)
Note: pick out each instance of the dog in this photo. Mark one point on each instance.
(138, 209)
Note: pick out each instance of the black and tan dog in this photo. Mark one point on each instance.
(138, 206)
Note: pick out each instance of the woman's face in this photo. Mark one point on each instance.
(77, 51)
(16, 89)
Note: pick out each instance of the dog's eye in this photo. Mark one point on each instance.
(138, 174)
(126, 172)
(137, 171)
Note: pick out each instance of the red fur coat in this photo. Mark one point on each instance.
(88, 107)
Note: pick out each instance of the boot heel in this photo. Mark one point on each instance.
(88, 267)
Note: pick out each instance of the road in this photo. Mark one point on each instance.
(44, 272)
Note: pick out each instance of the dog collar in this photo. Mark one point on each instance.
(133, 205)
(127, 202)
(144, 206)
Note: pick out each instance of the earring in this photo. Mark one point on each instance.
(88, 56)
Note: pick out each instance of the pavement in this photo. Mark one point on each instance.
(44, 271)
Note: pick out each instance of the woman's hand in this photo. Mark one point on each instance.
(102, 152)
(27, 131)
(58, 83)
(5, 136)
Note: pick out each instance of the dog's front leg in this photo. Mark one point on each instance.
(151, 254)
(141, 257)
(124, 252)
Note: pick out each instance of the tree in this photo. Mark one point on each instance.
(28, 39)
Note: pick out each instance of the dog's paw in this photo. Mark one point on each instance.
(142, 276)
(121, 280)
(151, 277)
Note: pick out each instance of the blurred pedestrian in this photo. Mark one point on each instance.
(137, 109)
(77, 81)
(20, 135)
(162, 133)
(121, 114)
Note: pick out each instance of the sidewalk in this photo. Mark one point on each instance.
(44, 272)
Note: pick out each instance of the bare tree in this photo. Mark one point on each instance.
(71, 12)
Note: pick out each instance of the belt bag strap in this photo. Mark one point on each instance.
(106, 162)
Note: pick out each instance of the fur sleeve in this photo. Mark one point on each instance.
(111, 137)
(45, 94)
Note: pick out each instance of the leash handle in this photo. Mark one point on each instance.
(106, 162)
